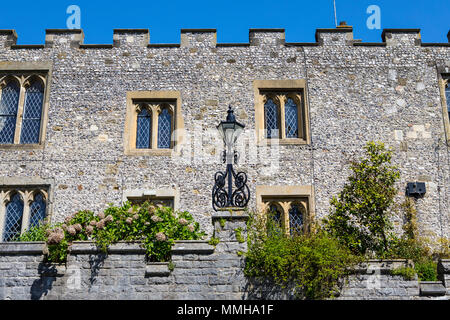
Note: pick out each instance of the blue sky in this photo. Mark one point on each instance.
(232, 18)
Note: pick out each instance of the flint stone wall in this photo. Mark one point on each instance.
(386, 91)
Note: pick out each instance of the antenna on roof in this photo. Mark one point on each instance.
(335, 18)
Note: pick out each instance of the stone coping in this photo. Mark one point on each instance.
(432, 288)
(384, 266)
(235, 214)
(8, 248)
(192, 246)
(121, 247)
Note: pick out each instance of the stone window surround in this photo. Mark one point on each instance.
(27, 187)
(36, 68)
(133, 100)
(445, 79)
(287, 194)
(286, 86)
(161, 193)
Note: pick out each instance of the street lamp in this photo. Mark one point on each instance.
(225, 197)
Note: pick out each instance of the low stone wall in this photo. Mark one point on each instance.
(374, 280)
(198, 271)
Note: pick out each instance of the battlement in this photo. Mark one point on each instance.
(340, 36)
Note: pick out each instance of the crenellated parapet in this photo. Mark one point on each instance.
(190, 38)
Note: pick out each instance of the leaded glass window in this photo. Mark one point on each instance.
(291, 118)
(295, 219)
(31, 122)
(271, 119)
(447, 96)
(144, 129)
(275, 213)
(8, 111)
(13, 218)
(164, 129)
(37, 210)
(288, 213)
(283, 115)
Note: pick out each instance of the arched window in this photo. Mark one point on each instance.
(447, 96)
(37, 210)
(13, 218)
(295, 219)
(164, 128)
(31, 123)
(144, 129)
(271, 119)
(275, 213)
(291, 118)
(8, 111)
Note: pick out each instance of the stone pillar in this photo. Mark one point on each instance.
(230, 224)
(443, 269)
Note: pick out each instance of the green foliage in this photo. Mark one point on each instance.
(239, 236)
(222, 222)
(36, 233)
(156, 228)
(313, 263)
(214, 241)
(359, 216)
(407, 273)
(411, 246)
(426, 270)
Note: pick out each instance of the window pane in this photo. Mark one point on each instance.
(8, 111)
(291, 118)
(447, 97)
(275, 213)
(31, 122)
(144, 129)
(295, 219)
(13, 218)
(37, 210)
(271, 119)
(164, 129)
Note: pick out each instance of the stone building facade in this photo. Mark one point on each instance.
(84, 153)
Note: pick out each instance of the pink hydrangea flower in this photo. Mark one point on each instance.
(109, 218)
(71, 230)
(101, 224)
(160, 236)
(191, 228)
(89, 230)
(183, 221)
(101, 215)
(78, 227)
(156, 219)
(129, 220)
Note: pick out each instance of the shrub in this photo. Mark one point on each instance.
(407, 273)
(359, 216)
(156, 228)
(312, 263)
